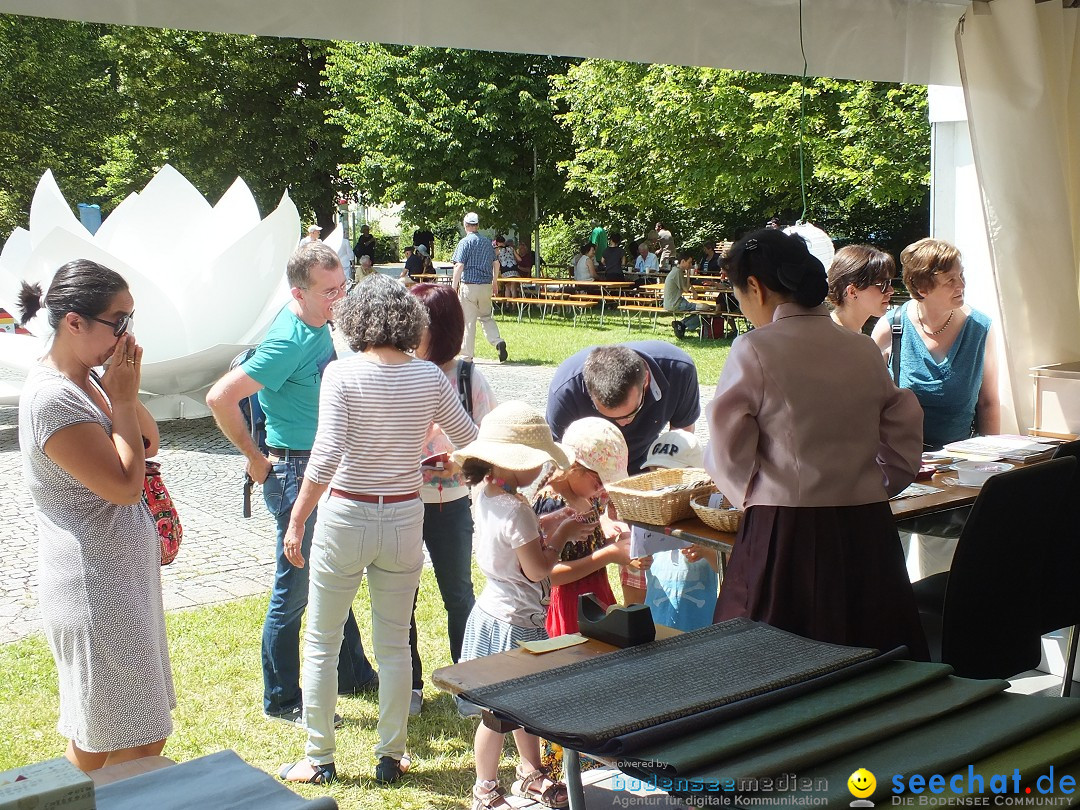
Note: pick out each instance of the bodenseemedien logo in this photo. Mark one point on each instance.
(862, 784)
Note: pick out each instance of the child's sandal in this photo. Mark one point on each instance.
(487, 799)
(530, 786)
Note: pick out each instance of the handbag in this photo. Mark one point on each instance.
(163, 511)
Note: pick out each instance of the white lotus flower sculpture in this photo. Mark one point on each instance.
(207, 280)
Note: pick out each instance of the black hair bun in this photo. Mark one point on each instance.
(29, 301)
(807, 280)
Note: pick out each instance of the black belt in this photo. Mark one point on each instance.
(284, 454)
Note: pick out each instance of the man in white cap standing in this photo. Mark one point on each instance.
(313, 233)
(475, 272)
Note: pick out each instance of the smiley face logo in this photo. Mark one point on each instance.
(862, 784)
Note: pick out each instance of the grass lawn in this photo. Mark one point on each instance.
(551, 342)
(215, 657)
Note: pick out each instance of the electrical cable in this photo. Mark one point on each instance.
(802, 116)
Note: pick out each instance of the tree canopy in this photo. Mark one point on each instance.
(448, 131)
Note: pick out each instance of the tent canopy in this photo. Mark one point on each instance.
(883, 40)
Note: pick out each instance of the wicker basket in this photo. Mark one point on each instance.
(723, 520)
(646, 498)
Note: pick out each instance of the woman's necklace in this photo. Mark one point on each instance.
(939, 331)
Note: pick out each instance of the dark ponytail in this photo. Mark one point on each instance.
(29, 301)
(782, 263)
(80, 286)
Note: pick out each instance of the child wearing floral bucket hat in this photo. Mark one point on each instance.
(516, 552)
(599, 456)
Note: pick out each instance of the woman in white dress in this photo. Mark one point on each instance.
(84, 440)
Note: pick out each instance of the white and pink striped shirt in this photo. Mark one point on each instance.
(373, 420)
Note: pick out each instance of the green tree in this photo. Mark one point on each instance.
(217, 106)
(700, 144)
(448, 131)
(57, 93)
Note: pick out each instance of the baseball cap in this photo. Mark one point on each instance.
(676, 448)
(472, 218)
(422, 249)
(314, 228)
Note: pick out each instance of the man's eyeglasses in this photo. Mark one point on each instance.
(119, 326)
(335, 293)
(628, 418)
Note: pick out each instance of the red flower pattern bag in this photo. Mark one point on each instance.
(163, 511)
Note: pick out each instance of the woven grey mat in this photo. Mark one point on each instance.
(584, 705)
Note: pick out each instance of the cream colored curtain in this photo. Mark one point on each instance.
(1020, 68)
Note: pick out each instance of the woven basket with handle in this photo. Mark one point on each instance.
(660, 497)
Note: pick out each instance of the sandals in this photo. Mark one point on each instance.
(321, 774)
(528, 786)
(493, 799)
(389, 770)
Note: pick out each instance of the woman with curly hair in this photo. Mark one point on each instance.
(374, 411)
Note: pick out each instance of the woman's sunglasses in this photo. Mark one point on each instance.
(885, 285)
(119, 326)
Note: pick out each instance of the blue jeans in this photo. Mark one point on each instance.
(448, 536)
(288, 599)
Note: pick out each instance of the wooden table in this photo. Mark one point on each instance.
(692, 530)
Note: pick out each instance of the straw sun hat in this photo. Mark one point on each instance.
(513, 436)
(597, 445)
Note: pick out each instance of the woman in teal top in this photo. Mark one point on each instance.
(946, 355)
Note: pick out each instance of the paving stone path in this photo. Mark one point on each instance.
(224, 555)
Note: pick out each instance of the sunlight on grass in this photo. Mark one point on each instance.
(215, 656)
(551, 342)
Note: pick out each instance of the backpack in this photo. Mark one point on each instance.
(464, 385)
(256, 423)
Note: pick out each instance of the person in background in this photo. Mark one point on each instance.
(448, 524)
(526, 258)
(418, 264)
(345, 256)
(423, 236)
(774, 224)
(286, 372)
(681, 584)
(676, 288)
(313, 233)
(613, 258)
(505, 256)
(475, 269)
(665, 247)
(817, 543)
(860, 285)
(585, 266)
(371, 524)
(84, 440)
(364, 267)
(948, 354)
(646, 261)
(710, 264)
(599, 238)
(365, 245)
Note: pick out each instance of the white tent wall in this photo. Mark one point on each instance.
(956, 216)
(1020, 65)
(884, 40)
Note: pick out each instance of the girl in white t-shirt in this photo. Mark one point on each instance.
(516, 551)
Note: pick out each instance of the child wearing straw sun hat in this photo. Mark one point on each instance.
(516, 556)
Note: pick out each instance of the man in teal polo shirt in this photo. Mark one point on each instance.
(286, 371)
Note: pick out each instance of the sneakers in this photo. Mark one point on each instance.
(367, 688)
(295, 717)
(680, 329)
(416, 702)
(501, 347)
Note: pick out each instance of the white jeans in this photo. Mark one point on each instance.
(476, 304)
(349, 537)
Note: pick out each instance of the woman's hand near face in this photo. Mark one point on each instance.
(121, 379)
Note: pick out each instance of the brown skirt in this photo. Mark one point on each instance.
(834, 574)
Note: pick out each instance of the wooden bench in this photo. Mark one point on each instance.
(630, 306)
(575, 307)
